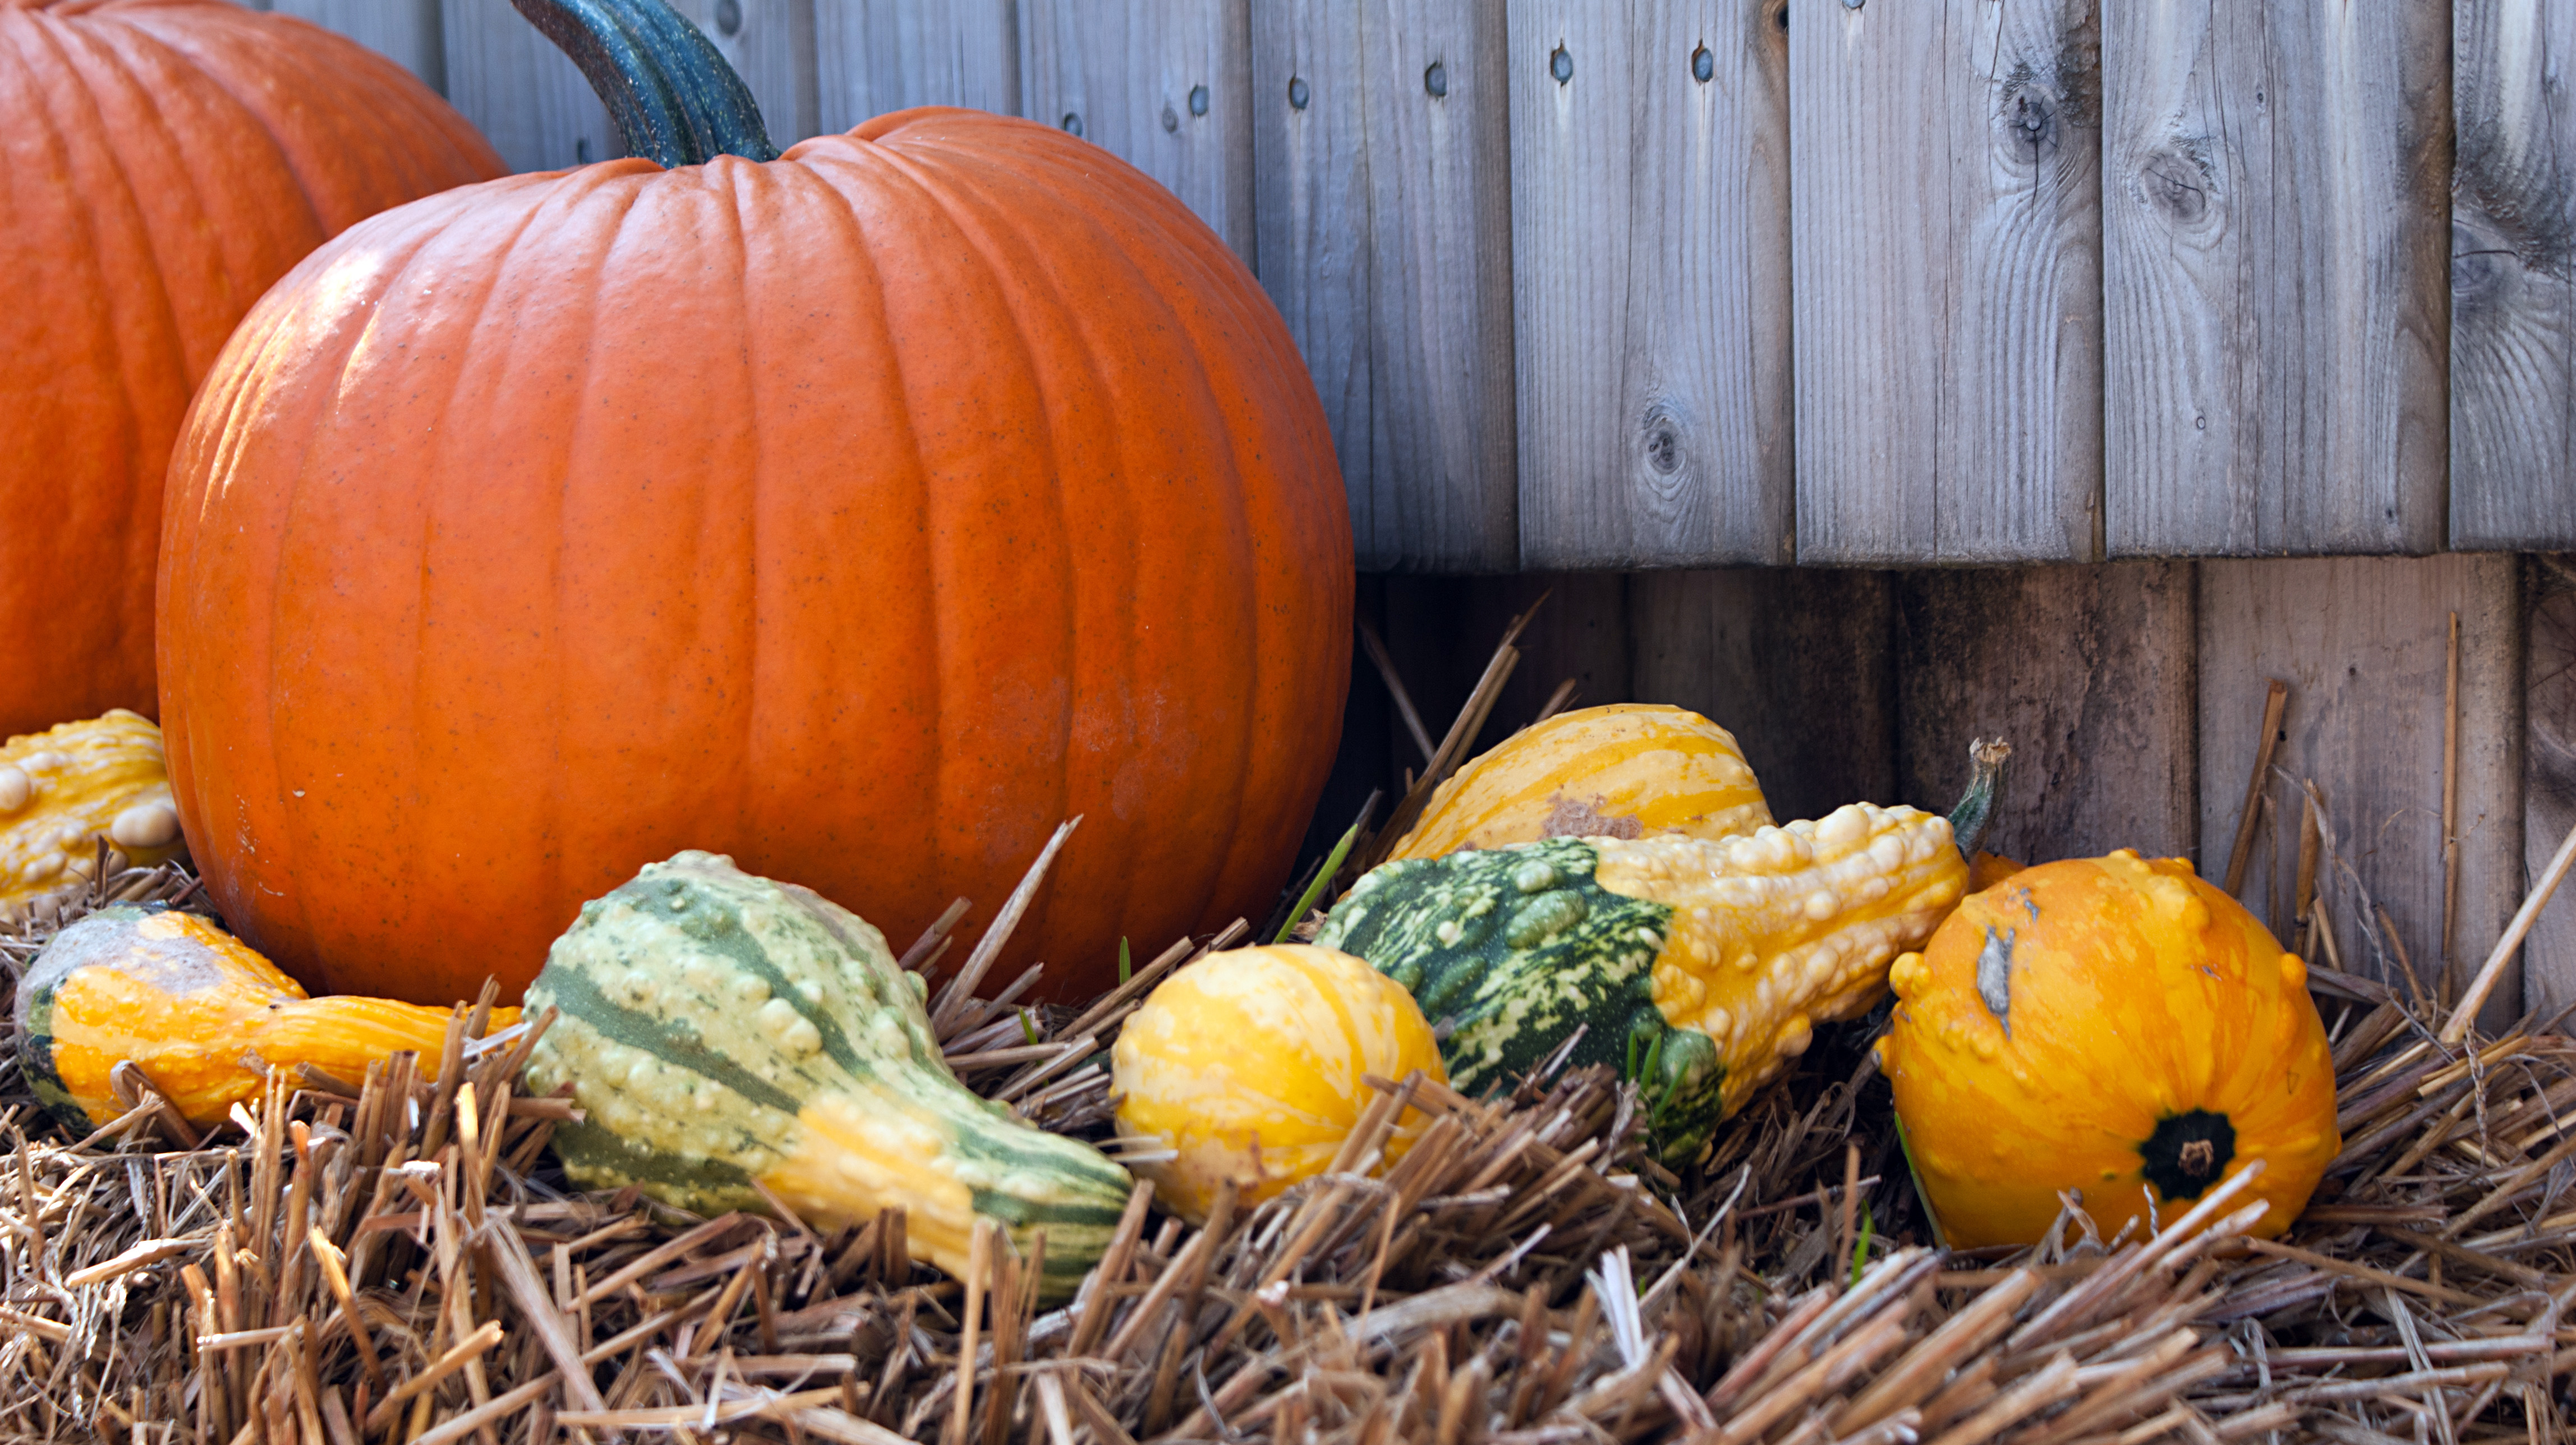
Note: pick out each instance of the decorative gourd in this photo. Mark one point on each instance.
(2111, 1025)
(168, 160)
(1698, 966)
(1621, 771)
(719, 1029)
(862, 513)
(1250, 1065)
(202, 1015)
(63, 789)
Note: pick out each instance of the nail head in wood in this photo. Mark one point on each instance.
(1561, 65)
(1436, 80)
(1704, 65)
(1198, 100)
(1297, 92)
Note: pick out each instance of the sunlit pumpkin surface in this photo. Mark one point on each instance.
(201, 1013)
(1251, 1064)
(862, 514)
(2111, 1025)
(163, 161)
(1627, 770)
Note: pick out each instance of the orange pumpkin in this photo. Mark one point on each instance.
(167, 159)
(860, 513)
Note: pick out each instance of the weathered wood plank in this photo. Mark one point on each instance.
(873, 56)
(2549, 773)
(406, 30)
(520, 91)
(1650, 204)
(2513, 237)
(2087, 671)
(1383, 206)
(2363, 644)
(1163, 84)
(1795, 663)
(770, 44)
(1948, 294)
(2276, 276)
(1442, 631)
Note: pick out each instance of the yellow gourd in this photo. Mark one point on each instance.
(198, 1011)
(1628, 770)
(1249, 1065)
(63, 789)
(2116, 1026)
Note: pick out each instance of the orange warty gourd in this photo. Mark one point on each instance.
(861, 513)
(167, 160)
(2111, 1025)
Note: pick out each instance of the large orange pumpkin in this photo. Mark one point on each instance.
(860, 513)
(162, 162)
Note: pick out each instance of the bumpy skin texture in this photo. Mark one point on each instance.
(2132, 992)
(863, 514)
(202, 1015)
(1626, 770)
(1250, 1063)
(718, 1028)
(62, 789)
(162, 162)
(1713, 959)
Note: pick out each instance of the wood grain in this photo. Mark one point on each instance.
(1164, 85)
(770, 44)
(2362, 642)
(1650, 265)
(2276, 274)
(523, 94)
(2088, 672)
(1947, 233)
(1442, 631)
(2513, 240)
(1794, 662)
(2549, 772)
(1383, 213)
(406, 30)
(873, 56)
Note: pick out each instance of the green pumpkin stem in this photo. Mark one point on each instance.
(673, 97)
(1976, 810)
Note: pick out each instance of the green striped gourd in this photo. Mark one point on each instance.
(719, 1030)
(1695, 966)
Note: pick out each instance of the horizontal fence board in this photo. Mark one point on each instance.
(2362, 643)
(1649, 205)
(2089, 672)
(1383, 203)
(1164, 85)
(770, 44)
(522, 93)
(2513, 239)
(875, 56)
(1948, 284)
(1793, 661)
(406, 30)
(2276, 266)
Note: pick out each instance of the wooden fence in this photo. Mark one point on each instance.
(1594, 286)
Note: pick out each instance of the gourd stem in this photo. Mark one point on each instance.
(1976, 810)
(673, 97)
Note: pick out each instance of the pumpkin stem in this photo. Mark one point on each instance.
(1976, 810)
(673, 97)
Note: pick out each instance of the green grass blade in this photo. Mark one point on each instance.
(1323, 880)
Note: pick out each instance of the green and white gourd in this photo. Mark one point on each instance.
(719, 1029)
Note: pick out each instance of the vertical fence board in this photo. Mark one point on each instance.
(1165, 85)
(1947, 234)
(2549, 773)
(2087, 671)
(520, 91)
(1383, 204)
(1650, 264)
(770, 44)
(873, 56)
(1794, 662)
(2362, 643)
(2513, 239)
(2277, 276)
(406, 30)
